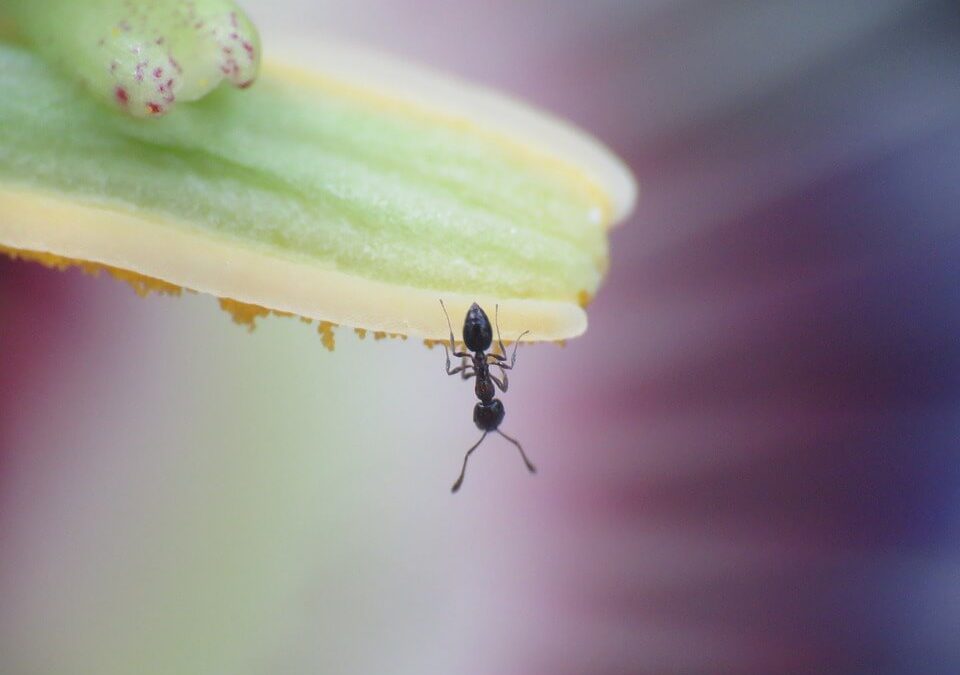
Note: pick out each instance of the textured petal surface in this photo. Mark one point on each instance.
(317, 196)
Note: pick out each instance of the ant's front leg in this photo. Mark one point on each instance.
(513, 357)
(453, 343)
(465, 369)
(502, 357)
(500, 361)
(468, 369)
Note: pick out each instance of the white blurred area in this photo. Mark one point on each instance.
(191, 498)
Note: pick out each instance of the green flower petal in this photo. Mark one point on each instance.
(357, 192)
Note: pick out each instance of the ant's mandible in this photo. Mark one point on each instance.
(488, 413)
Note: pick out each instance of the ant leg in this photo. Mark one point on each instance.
(464, 365)
(453, 348)
(513, 357)
(496, 320)
(499, 361)
(504, 367)
(444, 308)
(453, 343)
(456, 486)
(530, 467)
(465, 369)
(502, 356)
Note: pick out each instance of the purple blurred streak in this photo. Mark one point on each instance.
(759, 444)
(748, 457)
(34, 317)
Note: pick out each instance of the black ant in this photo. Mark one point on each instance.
(488, 413)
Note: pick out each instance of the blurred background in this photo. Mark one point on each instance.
(747, 465)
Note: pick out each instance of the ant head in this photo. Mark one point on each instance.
(477, 332)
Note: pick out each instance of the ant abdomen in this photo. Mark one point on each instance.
(488, 416)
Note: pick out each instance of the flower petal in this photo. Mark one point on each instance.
(321, 194)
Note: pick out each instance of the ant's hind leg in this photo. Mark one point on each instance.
(456, 486)
(530, 467)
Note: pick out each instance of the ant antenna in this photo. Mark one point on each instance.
(456, 486)
(530, 467)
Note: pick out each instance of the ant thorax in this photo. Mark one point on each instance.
(483, 388)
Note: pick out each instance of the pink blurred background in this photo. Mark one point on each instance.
(748, 464)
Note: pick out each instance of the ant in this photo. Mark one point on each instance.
(477, 338)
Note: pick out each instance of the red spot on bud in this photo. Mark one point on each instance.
(121, 95)
(158, 72)
(244, 85)
(154, 108)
